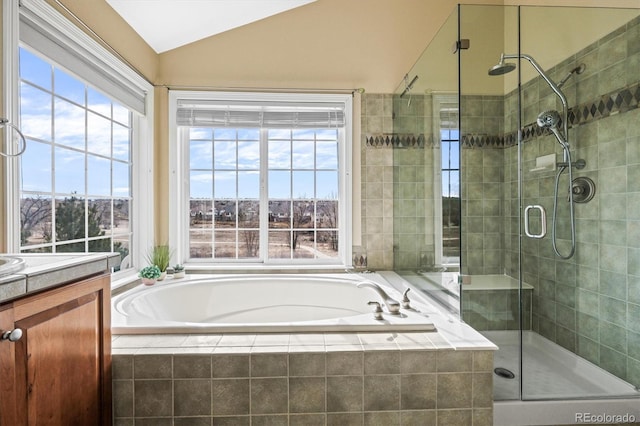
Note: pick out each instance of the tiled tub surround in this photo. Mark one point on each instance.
(300, 379)
(330, 378)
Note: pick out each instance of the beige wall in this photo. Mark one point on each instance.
(549, 37)
(579, 3)
(107, 25)
(328, 44)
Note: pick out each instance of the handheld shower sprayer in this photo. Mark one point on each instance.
(550, 120)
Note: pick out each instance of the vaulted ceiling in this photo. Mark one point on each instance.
(167, 24)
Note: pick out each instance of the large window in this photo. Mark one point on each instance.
(85, 116)
(76, 182)
(266, 178)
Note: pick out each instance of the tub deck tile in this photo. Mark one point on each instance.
(199, 340)
(272, 340)
(284, 343)
(237, 340)
(305, 349)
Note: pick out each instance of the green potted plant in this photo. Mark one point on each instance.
(149, 274)
(178, 271)
(160, 256)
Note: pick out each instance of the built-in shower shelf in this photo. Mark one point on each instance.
(492, 282)
(545, 163)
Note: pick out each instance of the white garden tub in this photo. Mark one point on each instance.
(250, 303)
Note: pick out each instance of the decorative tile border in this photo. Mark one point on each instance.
(471, 140)
(615, 102)
(397, 140)
(619, 101)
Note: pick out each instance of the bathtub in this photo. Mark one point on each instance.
(250, 303)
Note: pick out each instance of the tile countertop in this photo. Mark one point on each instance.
(42, 271)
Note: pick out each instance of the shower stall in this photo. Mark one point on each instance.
(516, 191)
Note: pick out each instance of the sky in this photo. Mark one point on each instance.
(45, 117)
(301, 163)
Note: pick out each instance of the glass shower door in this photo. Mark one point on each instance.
(576, 165)
(491, 187)
(549, 131)
(426, 171)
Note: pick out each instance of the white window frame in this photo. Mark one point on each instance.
(179, 181)
(142, 134)
(438, 100)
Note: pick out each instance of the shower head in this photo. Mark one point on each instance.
(550, 120)
(502, 67)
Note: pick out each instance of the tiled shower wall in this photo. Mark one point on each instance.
(397, 181)
(398, 152)
(482, 185)
(377, 182)
(589, 304)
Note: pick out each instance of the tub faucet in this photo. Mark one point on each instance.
(393, 306)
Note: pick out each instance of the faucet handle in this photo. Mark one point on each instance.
(406, 303)
(377, 310)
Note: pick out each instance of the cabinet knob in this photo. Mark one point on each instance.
(12, 336)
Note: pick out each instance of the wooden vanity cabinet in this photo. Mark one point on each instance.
(59, 371)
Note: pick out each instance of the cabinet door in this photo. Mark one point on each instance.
(63, 359)
(7, 372)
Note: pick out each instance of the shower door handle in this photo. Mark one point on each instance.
(543, 221)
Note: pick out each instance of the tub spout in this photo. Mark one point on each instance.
(393, 306)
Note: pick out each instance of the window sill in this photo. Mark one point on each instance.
(261, 268)
(124, 282)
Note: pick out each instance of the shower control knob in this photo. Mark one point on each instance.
(582, 189)
(12, 335)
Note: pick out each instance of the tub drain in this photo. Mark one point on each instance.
(504, 373)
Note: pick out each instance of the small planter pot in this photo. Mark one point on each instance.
(178, 274)
(148, 281)
(162, 276)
